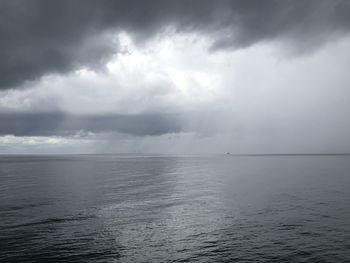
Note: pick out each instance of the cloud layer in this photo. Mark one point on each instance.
(46, 124)
(39, 37)
(174, 76)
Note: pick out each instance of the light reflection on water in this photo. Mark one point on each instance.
(108, 208)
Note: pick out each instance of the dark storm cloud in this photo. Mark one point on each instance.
(45, 36)
(54, 124)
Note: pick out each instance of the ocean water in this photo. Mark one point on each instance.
(113, 208)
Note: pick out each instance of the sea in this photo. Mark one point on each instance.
(158, 208)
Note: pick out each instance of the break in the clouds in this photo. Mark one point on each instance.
(174, 76)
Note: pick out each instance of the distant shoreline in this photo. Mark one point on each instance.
(287, 154)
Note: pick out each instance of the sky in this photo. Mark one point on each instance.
(174, 77)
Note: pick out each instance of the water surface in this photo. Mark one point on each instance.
(112, 208)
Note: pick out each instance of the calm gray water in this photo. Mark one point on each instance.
(110, 208)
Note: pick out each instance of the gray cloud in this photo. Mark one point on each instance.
(56, 124)
(44, 36)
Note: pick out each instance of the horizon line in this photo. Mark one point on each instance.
(173, 154)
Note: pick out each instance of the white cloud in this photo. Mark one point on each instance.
(254, 99)
(162, 76)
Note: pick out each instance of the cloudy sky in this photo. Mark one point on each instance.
(110, 76)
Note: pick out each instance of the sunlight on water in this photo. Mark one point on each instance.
(108, 208)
